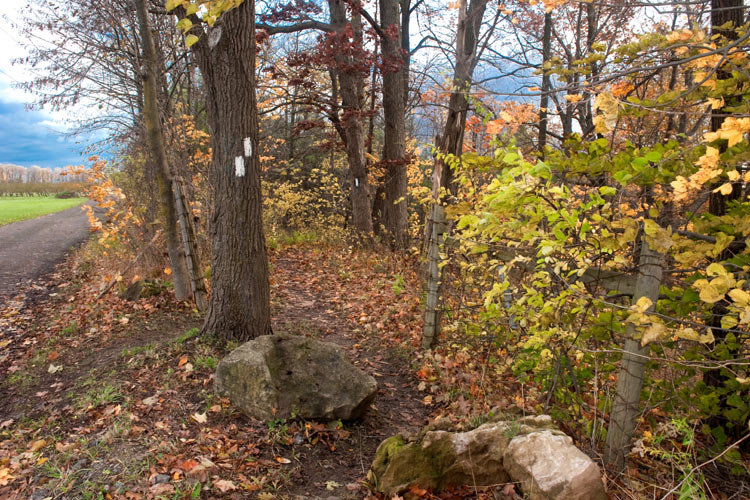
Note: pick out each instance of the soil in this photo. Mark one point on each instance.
(140, 359)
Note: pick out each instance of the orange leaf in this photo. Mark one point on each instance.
(188, 465)
(183, 360)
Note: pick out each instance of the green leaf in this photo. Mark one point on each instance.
(653, 156)
(607, 191)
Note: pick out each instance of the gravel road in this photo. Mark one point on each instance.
(31, 248)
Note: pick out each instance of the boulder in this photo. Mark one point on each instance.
(280, 376)
(494, 453)
(549, 466)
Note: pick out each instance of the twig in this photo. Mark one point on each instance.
(704, 464)
(132, 263)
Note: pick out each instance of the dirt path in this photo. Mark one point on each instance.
(122, 411)
(32, 248)
(398, 407)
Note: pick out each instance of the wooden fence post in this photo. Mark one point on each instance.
(433, 308)
(197, 283)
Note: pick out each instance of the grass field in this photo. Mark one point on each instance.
(13, 209)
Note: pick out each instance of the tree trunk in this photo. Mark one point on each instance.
(451, 140)
(239, 305)
(633, 364)
(722, 12)
(395, 214)
(155, 141)
(352, 86)
(546, 84)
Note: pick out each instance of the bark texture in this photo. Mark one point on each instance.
(450, 142)
(351, 80)
(239, 305)
(155, 139)
(395, 215)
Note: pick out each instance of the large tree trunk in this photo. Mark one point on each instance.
(239, 305)
(155, 139)
(352, 86)
(722, 12)
(395, 214)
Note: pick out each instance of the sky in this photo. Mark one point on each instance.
(27, 137)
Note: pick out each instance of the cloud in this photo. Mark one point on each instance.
(28, 137)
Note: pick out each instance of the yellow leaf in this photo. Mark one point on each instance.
(573, 97)
(725, 189)
(653, 333)
(642, 305)
(167, 271)
(716, 103)
(37, 445)
(190, 40)
(733, 175)
(708, 291)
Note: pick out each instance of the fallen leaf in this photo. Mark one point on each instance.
(37, 445)
(53, 355)
(161, 489)
(151, 401)
(6, 423)
(54, 368)
(5, 476)
(201, 418)
(182, 361)
(224, 485)
(283, 460)
(188, 465)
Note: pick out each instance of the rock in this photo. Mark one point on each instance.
(279, 376)
(141, 289)
(161, 478)
(549, 466)
(40, 494)
(493, 453)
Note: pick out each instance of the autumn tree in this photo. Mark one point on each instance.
(224, 46)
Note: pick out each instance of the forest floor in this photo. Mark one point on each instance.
(114, 399)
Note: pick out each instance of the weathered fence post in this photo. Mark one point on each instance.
(633, 364)
(197, 283)
(433, 308)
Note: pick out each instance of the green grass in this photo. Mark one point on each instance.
(16, 208)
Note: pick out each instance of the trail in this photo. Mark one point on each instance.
(31, 248)
(398, 407)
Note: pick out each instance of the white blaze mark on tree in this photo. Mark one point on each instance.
(356, 182)
(248, 142)
(239, 166)
(214, 35)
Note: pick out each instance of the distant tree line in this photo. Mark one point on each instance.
(16, 180)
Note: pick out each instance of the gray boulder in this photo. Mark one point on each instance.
(529, 450)
(548, 465)
(280, 376)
